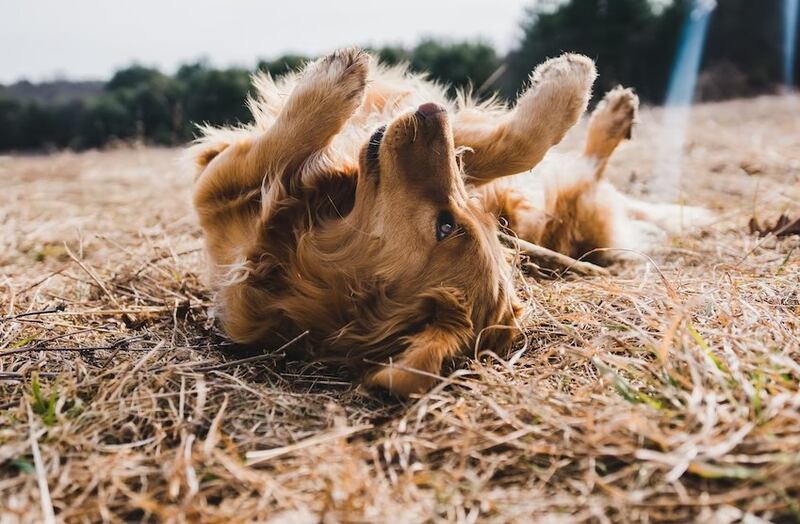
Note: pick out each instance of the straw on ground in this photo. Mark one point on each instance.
(664, 392)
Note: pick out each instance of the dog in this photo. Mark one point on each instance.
(363, 206)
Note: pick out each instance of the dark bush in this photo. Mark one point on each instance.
(633, 41)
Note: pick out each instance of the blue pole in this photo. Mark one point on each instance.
(690, 53)
(790, 12)
(680, 95)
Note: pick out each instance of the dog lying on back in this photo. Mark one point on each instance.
(363, 206)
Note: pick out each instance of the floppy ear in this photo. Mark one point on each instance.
(415, 369)
(449, 329)
(500, 336)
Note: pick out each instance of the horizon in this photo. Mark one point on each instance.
(96, 41)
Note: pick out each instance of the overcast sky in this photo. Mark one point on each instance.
(89, 39)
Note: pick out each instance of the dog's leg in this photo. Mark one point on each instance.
(500, 146)
(581, 212)
(611, 122)
(325, 97)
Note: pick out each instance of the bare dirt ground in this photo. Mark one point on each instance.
(665, 392)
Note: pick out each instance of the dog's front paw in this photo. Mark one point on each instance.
(343, 72)
(570, 72)
(558, 95)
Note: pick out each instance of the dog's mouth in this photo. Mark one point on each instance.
(373, 151)
(413, 154)
(426, 114)
(426, 125)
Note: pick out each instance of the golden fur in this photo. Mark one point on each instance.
(309, 228)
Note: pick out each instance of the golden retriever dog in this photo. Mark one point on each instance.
(363, 206)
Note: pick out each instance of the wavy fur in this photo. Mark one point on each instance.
(303, 233)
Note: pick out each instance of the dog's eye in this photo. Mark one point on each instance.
(445, 225)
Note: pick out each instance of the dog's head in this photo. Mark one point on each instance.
(417, 230)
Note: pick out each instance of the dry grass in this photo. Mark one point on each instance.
(666, 392)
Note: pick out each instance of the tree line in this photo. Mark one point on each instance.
(633, 41)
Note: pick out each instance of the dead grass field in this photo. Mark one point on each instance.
(666, 392)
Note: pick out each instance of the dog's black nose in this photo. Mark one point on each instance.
(430, 109)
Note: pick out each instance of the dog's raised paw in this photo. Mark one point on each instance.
(616, 114)
(569, 67)
(347, 61)
(568, 77)
(343, 70)
(558, 95)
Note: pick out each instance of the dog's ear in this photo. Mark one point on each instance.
(499, 337)
(448, 331)
(416, 368)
